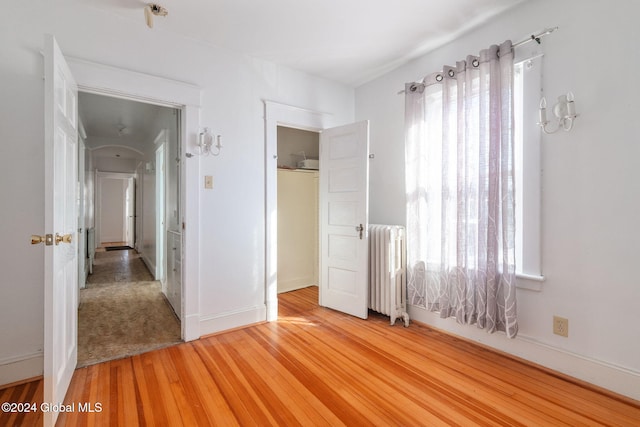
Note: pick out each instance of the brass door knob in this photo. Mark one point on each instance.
(47, 239)
(64, 239)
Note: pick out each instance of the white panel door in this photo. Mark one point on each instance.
(61, 268)
(344, 194)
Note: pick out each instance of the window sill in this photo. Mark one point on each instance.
(529, 282)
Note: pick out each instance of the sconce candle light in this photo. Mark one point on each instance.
(205, 143)
(564, 112)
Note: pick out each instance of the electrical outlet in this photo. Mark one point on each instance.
(208, 182)
(561, 326)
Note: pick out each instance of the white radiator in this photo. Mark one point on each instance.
(387, 271)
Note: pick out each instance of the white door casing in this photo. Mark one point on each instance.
(138, 218)
(61, 271)
(174, 271)
(344, 182)
(130, 211)
(160, 217)
(277, 114)
(112, 81)
(82, 233)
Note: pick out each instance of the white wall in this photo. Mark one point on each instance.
(298, 211)
(139, 225)
(165, 121)
(22, 129)
(112, 164)
(148, 238)
(89, 190)
(291, 142)
(231, 216)
(591, 186)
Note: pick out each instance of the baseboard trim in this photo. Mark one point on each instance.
(191, 327)
(293, 286)
(21, 382)
(602, 374)
(19, 368)
(151, 266)
(232, 319)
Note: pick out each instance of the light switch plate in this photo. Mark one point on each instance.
(208, 182)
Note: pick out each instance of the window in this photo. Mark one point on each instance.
(527, 86)
(461, 188)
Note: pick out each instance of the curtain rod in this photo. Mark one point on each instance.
(534, 37)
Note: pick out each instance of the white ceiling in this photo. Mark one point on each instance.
(116, 122)
(349, 41)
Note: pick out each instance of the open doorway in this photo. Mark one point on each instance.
(343, 217)
(115, 209)
(298, 209)
(133, 190)
(280, 115)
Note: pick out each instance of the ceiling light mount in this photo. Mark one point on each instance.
(122, 130)
(151, 10)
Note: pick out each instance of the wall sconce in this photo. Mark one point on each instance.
(205, 143)
(564, 112)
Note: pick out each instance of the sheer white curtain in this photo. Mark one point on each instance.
(460, 191)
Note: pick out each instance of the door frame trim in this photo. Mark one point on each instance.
(111, 81)
(160, 153)
(277, 114)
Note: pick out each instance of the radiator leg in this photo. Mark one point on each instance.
(405, 318)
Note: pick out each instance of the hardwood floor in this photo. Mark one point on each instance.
(315, 366)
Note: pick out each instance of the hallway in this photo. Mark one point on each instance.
(122, 310)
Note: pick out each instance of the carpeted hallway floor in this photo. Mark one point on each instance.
(122, 310)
